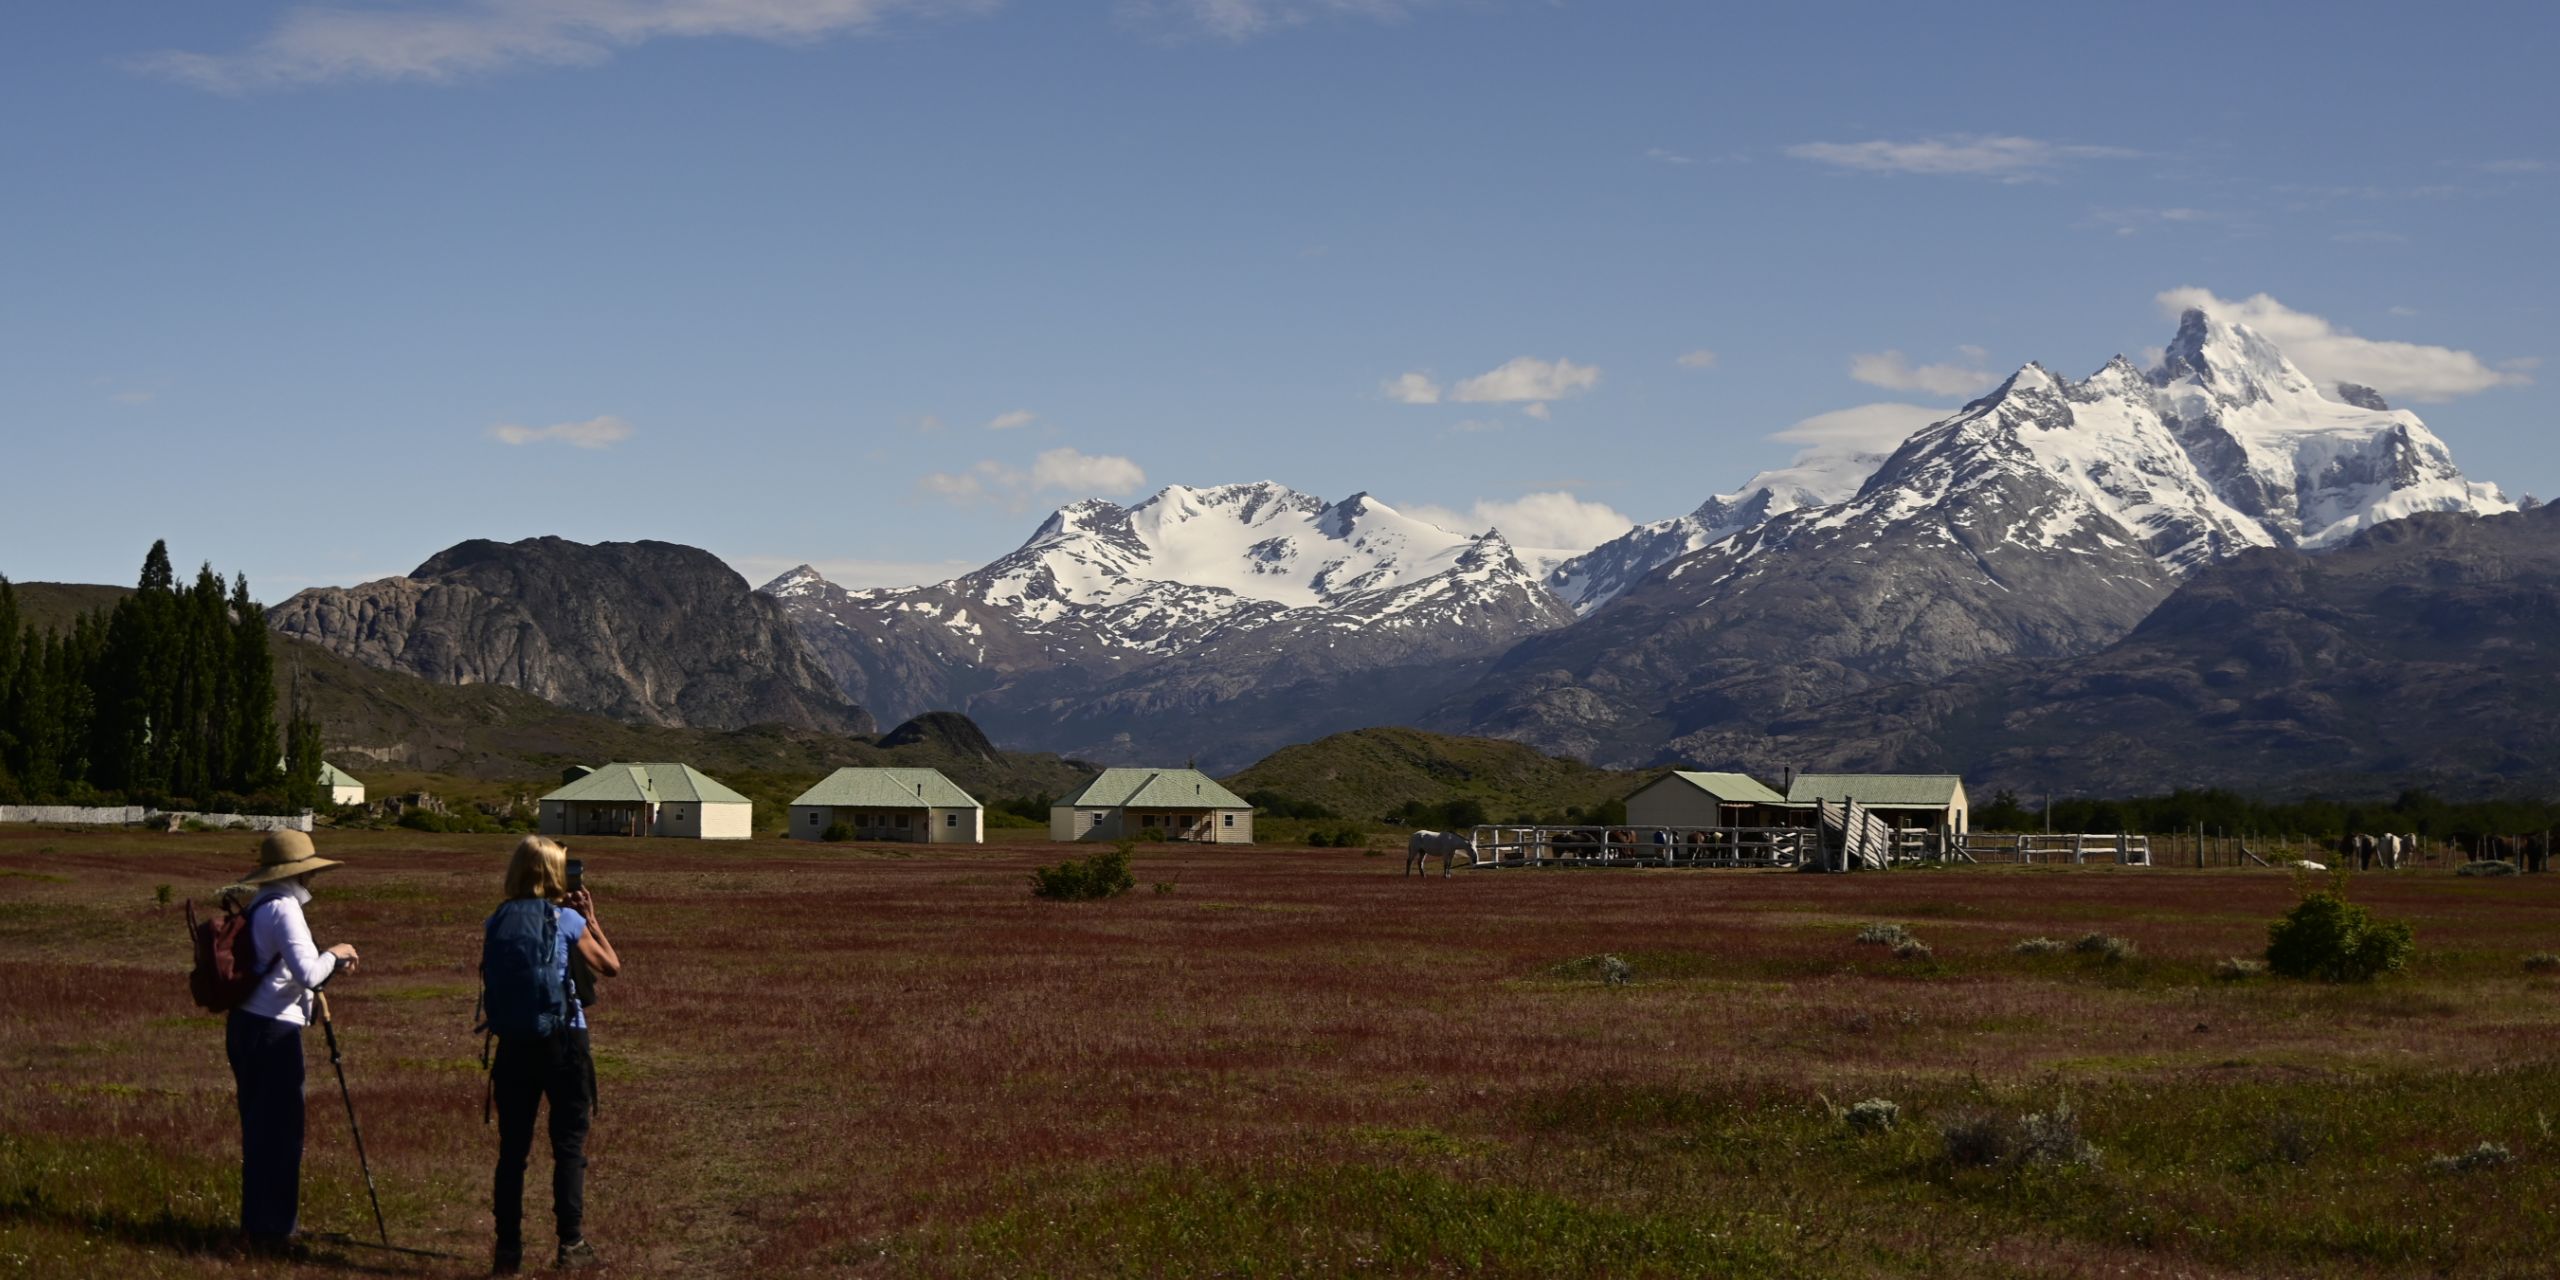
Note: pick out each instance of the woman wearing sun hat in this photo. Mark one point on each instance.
(264, 1038)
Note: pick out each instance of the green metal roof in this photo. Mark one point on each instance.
(1154, 788)
(1731, 788)
(648, 784)
(333, 776)
(1878, 790)
(887, 789)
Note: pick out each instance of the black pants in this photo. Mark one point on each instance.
(527, 1071)
(266, 1064)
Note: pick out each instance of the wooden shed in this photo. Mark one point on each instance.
(1908, 801)
(1683, 798)
(916, 805)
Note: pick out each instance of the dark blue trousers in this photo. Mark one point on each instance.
(266, 1063)
(529, 1071)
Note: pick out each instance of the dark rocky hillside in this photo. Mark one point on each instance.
(646, 632)
(2424, 652)
(393, 727)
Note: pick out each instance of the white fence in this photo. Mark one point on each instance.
(134, 815)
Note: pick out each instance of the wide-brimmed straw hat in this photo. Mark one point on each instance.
(284, 855)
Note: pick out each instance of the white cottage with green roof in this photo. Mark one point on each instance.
(1906, 801)
(1688, 798)
(674, 800)
(918, 805)
(339, 785)
(1184, 804)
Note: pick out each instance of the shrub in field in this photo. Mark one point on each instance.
(836, 833)
(1979, 1139)
(1104, 875)
(1152, 835)
(2041, 947)
(1607, 970)
(2329, 938)
(1913, 949)
(2235, 969)
(2487, 1155)
(1350, 838)
(1884, 935)
(2489, 868)
(1992, 1140)
(2104, 948)
(2053, 1137)
(1875, 1115)
(2542, 962)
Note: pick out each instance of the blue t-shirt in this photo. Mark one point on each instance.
(572, 927)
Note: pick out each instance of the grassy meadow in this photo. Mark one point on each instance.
(865, 1060)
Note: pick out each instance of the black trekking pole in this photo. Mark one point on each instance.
(329, 1030)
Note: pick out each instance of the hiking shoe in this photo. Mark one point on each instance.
(577, 1253)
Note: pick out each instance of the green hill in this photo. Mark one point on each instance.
(400, 733)
(1370, 773)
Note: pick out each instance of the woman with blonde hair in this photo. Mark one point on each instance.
(543, 1051)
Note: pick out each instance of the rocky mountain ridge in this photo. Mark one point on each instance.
(644, 632)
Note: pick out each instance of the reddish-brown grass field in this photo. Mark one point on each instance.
(857, 1060)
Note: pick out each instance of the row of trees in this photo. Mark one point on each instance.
(167, 698)
(2230, 813)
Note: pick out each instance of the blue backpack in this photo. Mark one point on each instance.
(521, 992)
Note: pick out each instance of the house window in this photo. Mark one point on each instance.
(813, 819)
(1230, 819)
(902, 822)
(951, 819)
(1097, 819)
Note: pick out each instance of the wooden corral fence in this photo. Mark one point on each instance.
(2076, 847)
(1517, 845)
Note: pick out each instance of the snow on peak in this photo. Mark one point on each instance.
(1261, 542)
(804, 578)
(2232, 362)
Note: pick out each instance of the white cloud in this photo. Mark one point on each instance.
(2519, 165)
(929, 422)
(1540, 411)
(1866, 428)
(1240, 20)
(595, 433)
(2131, 221)
(1010, 419)
(1664, 155)
(1698, 359)
(1894, 371)
(1054, 470)
(1525, 378)
(1412, 388)
(2329, 354)
(1545, 521)
(2007, 158)
(441, 43)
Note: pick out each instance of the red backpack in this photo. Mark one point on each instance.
(226, 971)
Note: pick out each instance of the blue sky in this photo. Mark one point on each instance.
(314, 291)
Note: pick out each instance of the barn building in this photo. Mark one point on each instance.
(916, 805)
(647, 800)
(1682, 798)
(1184, 804)
(1933, 802)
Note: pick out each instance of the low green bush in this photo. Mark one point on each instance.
(1884, 935)
(2041, 947)
(1104, 875)
(2334, 940)
(836, 833)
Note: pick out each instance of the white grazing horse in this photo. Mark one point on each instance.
(1419, 848)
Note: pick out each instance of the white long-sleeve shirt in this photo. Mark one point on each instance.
(292, 965)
